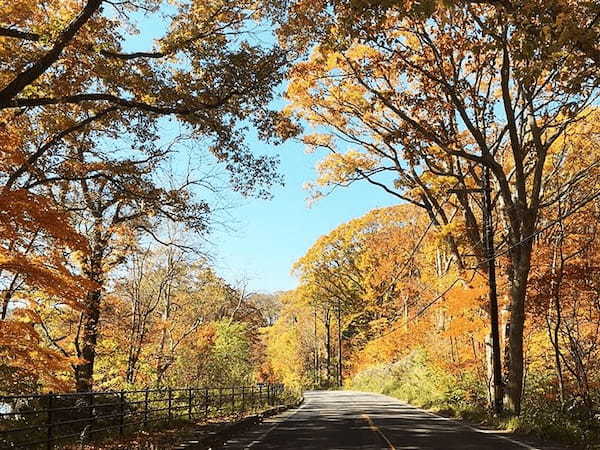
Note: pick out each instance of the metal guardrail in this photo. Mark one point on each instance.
(42, 421)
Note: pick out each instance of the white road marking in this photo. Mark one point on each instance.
(266, 433)
(477, 430)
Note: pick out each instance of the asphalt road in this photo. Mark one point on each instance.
(358, 420)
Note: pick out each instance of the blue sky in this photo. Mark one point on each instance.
(269, 235)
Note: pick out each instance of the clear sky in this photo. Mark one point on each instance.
(269, 235)
(272, 234)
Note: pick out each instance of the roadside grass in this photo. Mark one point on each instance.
(415, 380)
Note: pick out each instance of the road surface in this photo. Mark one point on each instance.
(358, 420)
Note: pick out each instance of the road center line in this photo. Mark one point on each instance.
(376, 429)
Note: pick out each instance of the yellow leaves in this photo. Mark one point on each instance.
(437, 183)
(27, 315)
(338, 167)
(318, 139)
(361, 51)
(298, 89)
(396, 301)
(333, 61)
(450, 229)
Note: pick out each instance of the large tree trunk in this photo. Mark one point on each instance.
(161, 364)
(87, 336)
(84, 371)
(518, 274)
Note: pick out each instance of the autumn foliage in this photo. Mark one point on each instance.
(86, 176)
(116, 144)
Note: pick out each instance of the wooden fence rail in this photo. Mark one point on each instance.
(43, 421)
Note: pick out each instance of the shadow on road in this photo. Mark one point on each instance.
(358, 420)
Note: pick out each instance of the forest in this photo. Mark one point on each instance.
(126, 127)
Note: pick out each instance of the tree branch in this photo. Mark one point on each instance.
(19, 34)
(80, 98)
(52, 142)
(29, 75)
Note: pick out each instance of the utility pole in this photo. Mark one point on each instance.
(490, 258)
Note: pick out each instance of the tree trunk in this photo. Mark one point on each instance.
(339, 326)
(316, 348)
(84, 371)
(519, 274)
(8, 297)
(163, 363)
(328, 345)
(86, 339)
(553, 331)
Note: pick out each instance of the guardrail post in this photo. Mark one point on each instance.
(220, 399)
(170, 404)
(190, 405)
(145, 407)
(121, 411)
(91, 412)
(243, 399)
(206, 398)
(49, 429)
(232, 399)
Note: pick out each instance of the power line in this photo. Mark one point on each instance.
(440, 296)
(573, 210)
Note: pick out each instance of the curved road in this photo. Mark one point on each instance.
(358, 420)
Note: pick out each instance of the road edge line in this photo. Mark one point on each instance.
(470, 427)
(266, 433)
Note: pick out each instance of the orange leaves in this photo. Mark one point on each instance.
(25, 220)
(22, 349)
(465, 305)
(23, 211)
(385, 276)
(206, 336)
(467, 294)
(34, 234)
(11, 142)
